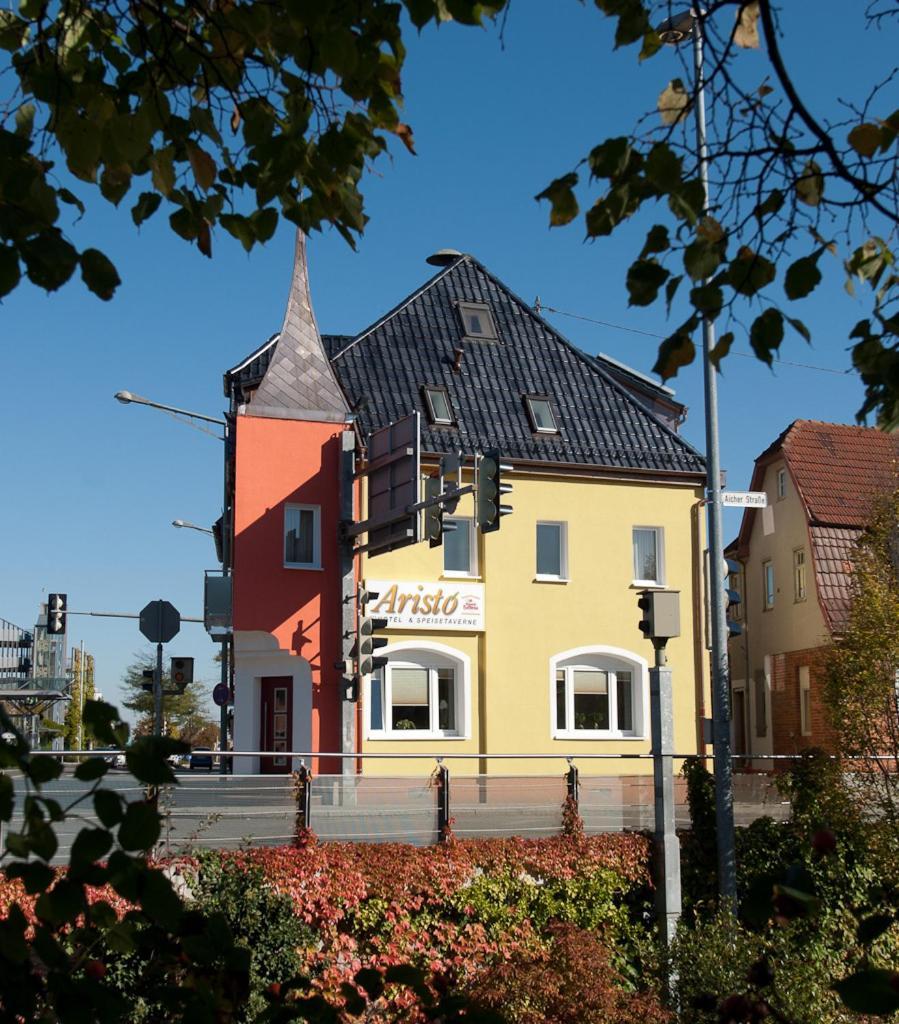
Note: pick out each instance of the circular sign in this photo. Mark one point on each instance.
(220, 694)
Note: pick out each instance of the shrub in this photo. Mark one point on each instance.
(573, 981)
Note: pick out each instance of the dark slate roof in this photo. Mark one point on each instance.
(383, 369)
(382, 372)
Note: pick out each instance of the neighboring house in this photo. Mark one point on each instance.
(795, 584)
(523, 640)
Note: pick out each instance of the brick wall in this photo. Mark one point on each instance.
(785, 708)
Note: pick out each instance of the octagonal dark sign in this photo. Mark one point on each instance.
(160, 621)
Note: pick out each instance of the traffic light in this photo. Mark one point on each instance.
(661, 614)
(181, 673)
(148, 675)
(732, 597)
(490, 491)
(366, 642)
(56, 614)
(435, 526)
(451, 478)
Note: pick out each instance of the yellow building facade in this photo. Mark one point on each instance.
(549, 663)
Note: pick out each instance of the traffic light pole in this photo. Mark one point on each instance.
(157, 693)
(667, 846)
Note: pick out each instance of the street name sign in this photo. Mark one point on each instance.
(744, 499)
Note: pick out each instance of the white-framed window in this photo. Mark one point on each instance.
(460, 548)
(422, 692)
(598, 693)
(649, 556)
(799, 592)
(552, 551)
(302, 537)
(735, 583)
(440, 411)
(781, 484)
(805, 701)
(768, 591)
(477, 321)
(541, 415)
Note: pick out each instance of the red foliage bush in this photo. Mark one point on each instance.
(572, 981)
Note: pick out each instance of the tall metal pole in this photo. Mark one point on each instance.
(724, 802)
(81, 698)
(157, 692)
(225, 763)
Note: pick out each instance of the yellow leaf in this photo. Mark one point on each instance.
(746, 31)
(674, 101)
(865, 139)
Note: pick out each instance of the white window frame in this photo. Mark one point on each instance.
(532, 415)
(781, 483)
(316, 562)
(659, 532)
(805, 700)
(472, 571)
(607, 659)
(563, 576)
(480, 309)
(767, 605)
(439, 421)
(800, 575)
(421, 654)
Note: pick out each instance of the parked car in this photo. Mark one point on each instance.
(200, 758)
(119, 761)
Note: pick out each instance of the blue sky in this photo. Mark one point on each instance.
(92, 486)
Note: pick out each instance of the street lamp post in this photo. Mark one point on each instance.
(126, 398)
(675, 31)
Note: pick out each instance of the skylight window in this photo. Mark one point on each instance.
(439, 409)
(477, 321)
(540, 412)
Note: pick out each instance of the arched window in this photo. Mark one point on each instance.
(599, 693)
(422, 692)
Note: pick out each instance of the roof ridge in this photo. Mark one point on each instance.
(402, 305)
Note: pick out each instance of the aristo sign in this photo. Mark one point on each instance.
(425, 606)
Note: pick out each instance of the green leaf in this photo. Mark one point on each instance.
(656, 241)
(612, 158)
(702, 258)
(25, 120)
(99, 274)
(7, 797)
(873, 991)
(766, 334)
(799, 327)
(240, 228)
(810, 184)
(664, 168)
(708, 299)
(9, 269)
(771, 205)
(162, 169)
(93, 768)
(560, 194)
(108, 805)
(103, 723)
(36, 877)
(688, 202)
(43, 769)
(90, 845)
(671, 290)
(49, 259)
(371, 980)
(159, 900)
(147, 204)
(42, 839)
(865, 139)
(140, 827)
(750, 272)
(675, 351)
(12, 31)
(721, 349)
(644, 279)
(873, 927)
(264, 223)
(63, 903)
(802, 277)
(146, 759)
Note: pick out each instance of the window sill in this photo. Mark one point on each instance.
(551, 579)
(646, 585)
(393, 736)
(312, 568)
(586, 734)
(450, 575)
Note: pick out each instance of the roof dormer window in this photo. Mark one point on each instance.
(477, 321)
(541, 415)
(440, 411)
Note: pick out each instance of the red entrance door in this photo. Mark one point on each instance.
(277, 723)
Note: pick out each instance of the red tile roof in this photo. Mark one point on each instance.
(833, 549)
(839, 469)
